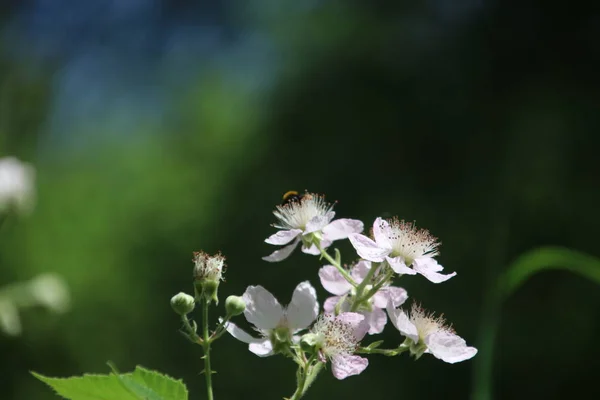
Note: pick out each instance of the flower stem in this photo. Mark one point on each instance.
(361, 288)
(336, 264)
(307, 373)
(386, 352)
(206, 346)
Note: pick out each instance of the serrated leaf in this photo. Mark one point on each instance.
(165, 386)
(142, 384)
(88, 387)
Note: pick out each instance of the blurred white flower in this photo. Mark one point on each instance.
(277, 325)
(308, 220)
(402, 245)
(17, 191)
(430, 334)
(10, 322)
(51, 291)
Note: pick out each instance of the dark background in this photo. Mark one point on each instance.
(162, 127)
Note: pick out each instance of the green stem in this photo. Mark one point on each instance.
(361, 287)
(206, 346)
(386, 352)
(307, 372)
(336, 264)
(190, 330)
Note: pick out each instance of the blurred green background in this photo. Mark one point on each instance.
(162, 127)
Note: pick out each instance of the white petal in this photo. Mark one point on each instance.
(396, 294)
(263, 348)
(360, 270)
(428, 267)
(333, 281)
(381, 233)
(262, 308)
(313, 250)
(283, 253)
(403, 323)
(399, 266)
(240, 334)
(304, 308)
(449, 347)
(358, 323)
(318, 222)
(368, 249)
(283, 237)
(376, 320)
(344, 365)
(341, 228)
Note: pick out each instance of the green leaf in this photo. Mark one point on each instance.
(88, 387)
(142, 384)
(548, 258)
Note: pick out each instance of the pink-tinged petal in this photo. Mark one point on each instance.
(262, 308)
(283, 237)
(396, 294)
(263, 348)
(330, 303)
(304, 308)
(381, 233)
(358, 323)
(402, 323)
(240, 334)
(341, 228)
(360, 270)
(368, 249)
(428, 267)
(318, 222)
(333, 281)
(313, 250)
(399, 266)
(283, 253)
(345, 365)
(376, 320)
(449, 347)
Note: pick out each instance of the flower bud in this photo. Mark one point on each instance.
(234, 305)
(183, 303)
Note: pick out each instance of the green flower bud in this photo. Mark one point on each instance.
(183, 303)
(207, 290)
(234, 305)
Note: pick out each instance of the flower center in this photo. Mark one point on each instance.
(296, 214)
(410, 242)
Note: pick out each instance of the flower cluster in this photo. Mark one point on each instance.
(364, 295)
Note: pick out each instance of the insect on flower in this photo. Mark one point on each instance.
(290, 196)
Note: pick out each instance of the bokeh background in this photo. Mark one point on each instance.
(160, 127)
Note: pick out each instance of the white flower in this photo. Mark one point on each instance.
(307, 220)
(402, 245)
(51, 291)
(338, 337)
(17, 189)
(429, 334)
(207, 267)
(334, 283)
(276, 325)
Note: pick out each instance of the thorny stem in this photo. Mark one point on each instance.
(336, 264)
(206, 346)
(307, 372)
(191, 331)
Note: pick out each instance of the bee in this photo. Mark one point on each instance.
(291, 196)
